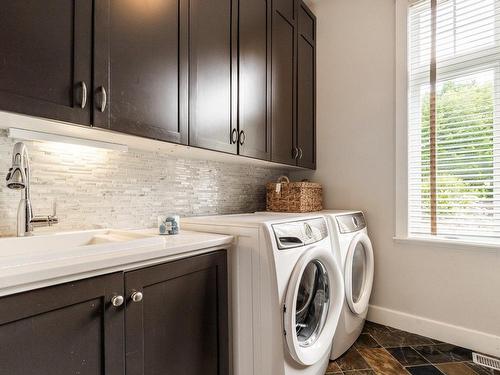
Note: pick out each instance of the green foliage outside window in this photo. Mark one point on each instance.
(464, 146)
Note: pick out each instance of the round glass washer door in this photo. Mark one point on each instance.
(313, 302)
(359, 269)
(312, 305)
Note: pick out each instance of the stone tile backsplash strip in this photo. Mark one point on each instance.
(97, 188)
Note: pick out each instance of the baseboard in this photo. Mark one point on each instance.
(461, 336)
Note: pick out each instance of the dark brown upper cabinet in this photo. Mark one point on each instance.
(46, 58)
(212, 74)
(306, 88)
(140, 68)
(254, 78)
(293, 84)
(179, 326)
(236, 76)
(284, 70)
(66, 329)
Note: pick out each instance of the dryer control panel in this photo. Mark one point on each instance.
(300, 233)
(351, 222)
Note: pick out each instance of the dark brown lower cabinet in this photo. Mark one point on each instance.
(179, 325)
(65, 329)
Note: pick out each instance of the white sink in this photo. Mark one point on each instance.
(21, 251)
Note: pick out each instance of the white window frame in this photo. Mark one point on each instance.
(401, 140)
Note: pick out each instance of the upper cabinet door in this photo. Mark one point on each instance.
(254, 78)
(306, 88)
(140, 68)
(283, 79)
(212, 115)
(179, 323)
(45, 58)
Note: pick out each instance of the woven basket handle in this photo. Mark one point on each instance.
(283, 179)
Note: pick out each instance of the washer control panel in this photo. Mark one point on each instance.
(351, 222)
(300, 233)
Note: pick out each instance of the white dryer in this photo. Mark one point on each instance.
(287, 291)
(349, 235)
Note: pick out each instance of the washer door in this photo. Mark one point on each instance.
(359, 268)
(312, 305)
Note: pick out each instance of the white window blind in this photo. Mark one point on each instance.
(454, 119)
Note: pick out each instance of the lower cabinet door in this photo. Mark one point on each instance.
(177, 316)
(71, 328)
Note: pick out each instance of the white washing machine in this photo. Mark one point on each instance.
(349, 235)
(287, 291)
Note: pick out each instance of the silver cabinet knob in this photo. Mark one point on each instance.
(234, 136)
(117, 301)
(136, 297)
(242, 137)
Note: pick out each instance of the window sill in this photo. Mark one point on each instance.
(447, 242)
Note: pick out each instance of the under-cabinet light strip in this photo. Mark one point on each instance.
(31, 135)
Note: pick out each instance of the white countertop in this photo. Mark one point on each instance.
(23, 269)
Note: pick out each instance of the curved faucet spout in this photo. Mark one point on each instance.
(18, 178)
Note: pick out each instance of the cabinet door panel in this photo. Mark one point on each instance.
(283, 98)
(45, 55)
(66, 329)
(145, 89)
(306, 89)
(181, 323)
(254, 77)
(210, 75)
(286, 8)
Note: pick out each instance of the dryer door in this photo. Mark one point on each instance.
(313, 303)
(359, 269)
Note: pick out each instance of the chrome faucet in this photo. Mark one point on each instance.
(18, 178)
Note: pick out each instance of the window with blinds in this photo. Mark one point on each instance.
(454, 124)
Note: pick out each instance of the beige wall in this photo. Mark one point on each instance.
(451, 293)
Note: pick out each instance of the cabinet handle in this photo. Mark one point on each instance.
(234, 136)
(295, 153)
(242, 138)
(300, 153)
(104, 98)
(83, 102)
(136, 296)
(117, 301)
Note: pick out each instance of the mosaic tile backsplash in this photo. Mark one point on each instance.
(97, 188)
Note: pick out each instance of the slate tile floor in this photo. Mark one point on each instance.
(382, 350)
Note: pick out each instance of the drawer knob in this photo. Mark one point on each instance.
(117, 301)
(136, 297)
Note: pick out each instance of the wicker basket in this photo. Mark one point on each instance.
(286, 196)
